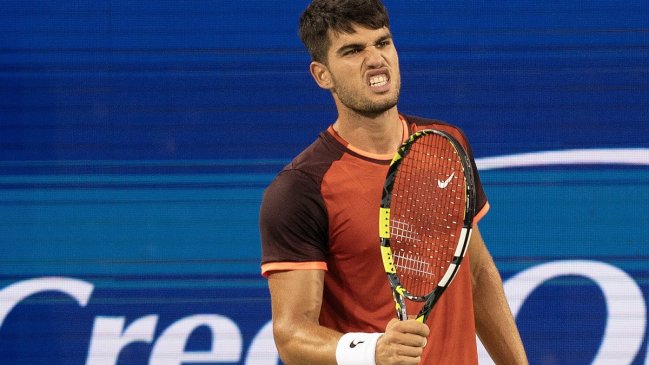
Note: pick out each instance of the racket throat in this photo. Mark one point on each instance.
(400, 304)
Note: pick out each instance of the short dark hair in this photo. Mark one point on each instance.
(339, 16)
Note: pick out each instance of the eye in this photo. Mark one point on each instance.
(352, 51)
(383, 43)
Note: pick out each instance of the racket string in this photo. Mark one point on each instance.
(427, 214)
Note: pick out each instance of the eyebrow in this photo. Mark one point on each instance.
(351, 46)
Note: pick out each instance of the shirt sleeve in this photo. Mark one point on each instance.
(293, 224)
(482, 203)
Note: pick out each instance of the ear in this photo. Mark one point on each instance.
(321, 75)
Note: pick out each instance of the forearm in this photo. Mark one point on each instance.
(296, 298)
(306, 343)
(495, 323)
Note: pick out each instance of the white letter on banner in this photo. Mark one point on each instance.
(15, 293)
(226, 341)
(262, 349)
(108, 337)
(625, 305)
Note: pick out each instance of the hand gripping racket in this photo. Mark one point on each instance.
(425, 219)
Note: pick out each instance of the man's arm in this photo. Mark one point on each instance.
(296, 298)
(495, 323)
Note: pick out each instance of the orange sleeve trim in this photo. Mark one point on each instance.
(481, 213)
(269, 268)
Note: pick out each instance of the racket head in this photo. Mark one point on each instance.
(426, 213)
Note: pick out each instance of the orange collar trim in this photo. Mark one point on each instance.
(375, 156)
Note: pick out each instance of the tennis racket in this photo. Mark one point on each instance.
(425, 219)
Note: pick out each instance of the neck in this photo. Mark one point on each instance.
(378, 134)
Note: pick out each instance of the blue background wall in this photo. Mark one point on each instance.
(136, 139)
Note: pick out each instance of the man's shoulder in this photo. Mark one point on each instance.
(419, 123)
(313, 161)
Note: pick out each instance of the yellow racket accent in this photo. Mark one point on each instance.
(384, 222)
(397, 305)
(388, 263)
(397, 157)
(400, 290)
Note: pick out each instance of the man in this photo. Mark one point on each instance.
(331, 301)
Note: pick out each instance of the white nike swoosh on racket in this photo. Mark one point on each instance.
(443, 184)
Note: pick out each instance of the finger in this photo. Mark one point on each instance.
(409, 351)
(410, 326)
(412, 340)
(400, 338)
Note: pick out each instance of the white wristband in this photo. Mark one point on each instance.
(357, 348)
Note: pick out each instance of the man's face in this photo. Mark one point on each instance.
(364, 69)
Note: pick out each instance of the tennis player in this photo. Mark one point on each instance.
(331, 301)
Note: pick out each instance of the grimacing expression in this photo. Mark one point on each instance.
(364, 69)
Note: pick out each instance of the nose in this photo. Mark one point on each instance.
(374, 57)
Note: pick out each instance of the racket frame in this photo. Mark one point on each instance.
(400, 293)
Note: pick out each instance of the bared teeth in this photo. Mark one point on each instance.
(378, 80)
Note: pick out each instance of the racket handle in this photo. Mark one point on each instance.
(400, 305)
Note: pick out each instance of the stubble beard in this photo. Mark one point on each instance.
(364, 106)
